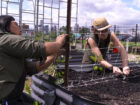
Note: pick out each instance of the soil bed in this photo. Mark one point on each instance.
(105, 88)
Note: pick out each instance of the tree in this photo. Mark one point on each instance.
(63, 29)
(84, 30)
(53, 35)
(118, 33)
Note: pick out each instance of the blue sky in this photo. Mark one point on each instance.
(132, 4)
(116, 11)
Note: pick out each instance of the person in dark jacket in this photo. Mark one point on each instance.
(99, 43)
(14, 50)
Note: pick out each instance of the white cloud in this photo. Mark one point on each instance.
(136, 3)
(116, 11)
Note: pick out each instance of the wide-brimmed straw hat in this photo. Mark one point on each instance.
(101, 24)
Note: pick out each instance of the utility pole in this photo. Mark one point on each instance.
(136, 34)
(20, 14)
(115, 29)
(37, 15)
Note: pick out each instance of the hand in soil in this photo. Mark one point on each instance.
(126, 71)
(117, 71)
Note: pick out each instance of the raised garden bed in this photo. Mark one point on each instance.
(108, 89)
(45, 91)
(88, 86)
(97, 87)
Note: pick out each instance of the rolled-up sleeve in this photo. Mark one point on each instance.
(18, 46)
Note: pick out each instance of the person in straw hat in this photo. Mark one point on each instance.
(99, 44)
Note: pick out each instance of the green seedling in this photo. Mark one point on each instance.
(27, 88)
(59, 81)
(57, 60)
(95, 68)
(60, 75)
(56, 73)
(51, 70)
(62, 72)
(36, 103)
(99, 58)
(93, 58)
(101, 68)
(63, 60)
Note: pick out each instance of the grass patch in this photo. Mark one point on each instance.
(131, 44)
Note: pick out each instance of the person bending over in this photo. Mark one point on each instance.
(99, 43)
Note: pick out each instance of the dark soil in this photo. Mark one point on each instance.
(105, 88)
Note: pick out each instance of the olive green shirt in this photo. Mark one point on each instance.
(13, 51)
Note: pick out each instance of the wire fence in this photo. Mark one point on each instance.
(42, 18)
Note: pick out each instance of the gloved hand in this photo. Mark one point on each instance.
(117, 71)
(126, 70)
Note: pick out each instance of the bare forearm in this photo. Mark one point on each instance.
(105, 64)
(124, 57)
(52, 48)
(47, 63)
(120, 47)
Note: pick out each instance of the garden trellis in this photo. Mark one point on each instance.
(39, 15)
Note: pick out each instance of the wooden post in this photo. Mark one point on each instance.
(67, 42)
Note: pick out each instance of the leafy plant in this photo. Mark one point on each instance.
(52, 35)
(99, 58)
(84, 30)
(98, 68)
(93, 58)
(101, 68)
(27, 88)
(51, 70)
(61, 59)
(56, 74)
(36, 103)
(95, 68)
(59, 81)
